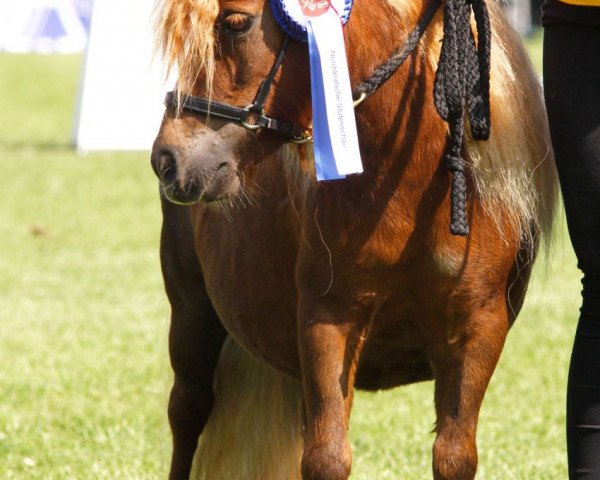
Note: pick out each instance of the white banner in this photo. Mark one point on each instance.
(121, 99)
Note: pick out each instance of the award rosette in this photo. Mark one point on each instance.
(320, 22)
(290, 16)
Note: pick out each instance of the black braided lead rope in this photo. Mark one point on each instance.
(463, 79)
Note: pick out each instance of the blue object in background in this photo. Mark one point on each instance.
(84, 11)
(49, 25)
(44, 26)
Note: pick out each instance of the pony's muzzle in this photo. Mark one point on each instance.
(203, 176)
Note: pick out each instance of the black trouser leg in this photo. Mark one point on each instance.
(583, 391)
(572, 89)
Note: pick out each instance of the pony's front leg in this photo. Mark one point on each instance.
(463, 361)
(330, 342)
(196, 337)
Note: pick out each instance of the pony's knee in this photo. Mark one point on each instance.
(454, 459)
(189, 407)
(331, 461)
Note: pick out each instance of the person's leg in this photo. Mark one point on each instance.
(572, 90)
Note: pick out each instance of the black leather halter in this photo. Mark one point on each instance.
(253, 116)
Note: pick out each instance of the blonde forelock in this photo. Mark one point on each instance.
(185, 38)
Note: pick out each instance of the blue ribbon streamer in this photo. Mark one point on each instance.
(325, 165)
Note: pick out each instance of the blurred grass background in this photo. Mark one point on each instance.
(84, 374)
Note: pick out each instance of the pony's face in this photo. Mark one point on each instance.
(206, 159)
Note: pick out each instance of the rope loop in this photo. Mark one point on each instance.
(462, 85)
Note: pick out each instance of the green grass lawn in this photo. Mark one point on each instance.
(534, 44)
(84, 373)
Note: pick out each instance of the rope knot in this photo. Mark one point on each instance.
(455, 164)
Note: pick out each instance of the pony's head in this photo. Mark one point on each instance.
(223, 50)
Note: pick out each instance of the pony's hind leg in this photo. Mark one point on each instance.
(196, 337)
(463, 364)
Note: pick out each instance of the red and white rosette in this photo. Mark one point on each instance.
(291, 18)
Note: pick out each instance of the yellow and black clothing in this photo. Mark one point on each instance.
(582, 3)
(572, 91)
(583, 12)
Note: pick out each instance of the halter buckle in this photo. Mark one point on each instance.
(305, 137)
(251, 126)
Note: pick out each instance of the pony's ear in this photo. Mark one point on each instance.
(185, 38)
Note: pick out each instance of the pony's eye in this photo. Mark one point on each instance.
(236, 23)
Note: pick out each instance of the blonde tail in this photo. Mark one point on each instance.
(255, 429)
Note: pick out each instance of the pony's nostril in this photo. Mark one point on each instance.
(167, 166)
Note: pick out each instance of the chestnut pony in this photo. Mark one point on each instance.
(287, 294)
